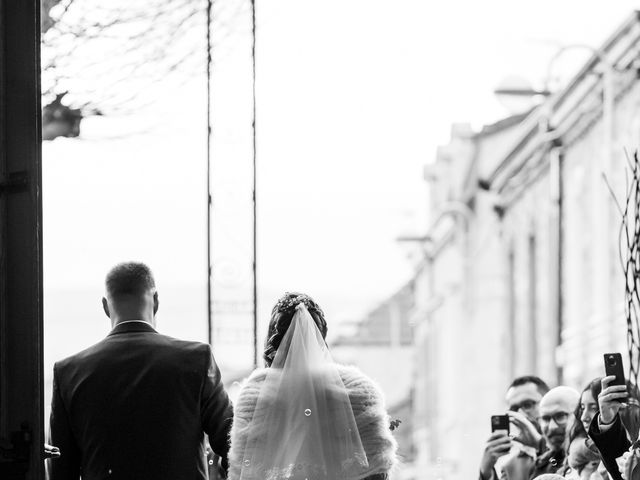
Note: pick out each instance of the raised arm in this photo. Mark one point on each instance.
(243, 413)
(372, 420)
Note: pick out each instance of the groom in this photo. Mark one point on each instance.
(137, 404)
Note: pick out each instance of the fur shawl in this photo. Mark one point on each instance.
(368, 407)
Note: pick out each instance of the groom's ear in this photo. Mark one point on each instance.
(105, 307)
(156, 303)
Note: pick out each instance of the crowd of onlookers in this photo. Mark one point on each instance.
(562, 433)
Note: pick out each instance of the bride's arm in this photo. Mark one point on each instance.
(372, 419)
(242, 415)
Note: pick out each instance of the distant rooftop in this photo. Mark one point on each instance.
(504, 123)
(377, 328)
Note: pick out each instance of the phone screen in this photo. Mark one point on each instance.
(500, 422)
(613, 366)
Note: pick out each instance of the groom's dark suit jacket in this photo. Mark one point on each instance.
(136, 406)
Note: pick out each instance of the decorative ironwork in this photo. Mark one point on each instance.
(629, 256)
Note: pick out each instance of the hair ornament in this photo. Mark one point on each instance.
(288, 303)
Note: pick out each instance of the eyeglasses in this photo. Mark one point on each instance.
(524, 405)
(560, 418)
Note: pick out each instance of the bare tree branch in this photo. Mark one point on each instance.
(111, 57)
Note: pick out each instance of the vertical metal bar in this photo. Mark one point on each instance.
(255, 211)
(533, 303)
(560, 272)
(511, 325)
(556, 178)
(209, 299)
(21, 329)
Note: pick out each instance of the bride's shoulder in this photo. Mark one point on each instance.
(252, 384)
(254, 380)
(249, 391)
(358, 384)
(352, 375)
(257, 376)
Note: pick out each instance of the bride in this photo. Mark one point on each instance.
(305, 417)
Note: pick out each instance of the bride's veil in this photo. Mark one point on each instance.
(303, 426)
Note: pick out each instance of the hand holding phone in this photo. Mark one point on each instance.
(498, 444)
(524, 432)
(614, 389)
(613, 367)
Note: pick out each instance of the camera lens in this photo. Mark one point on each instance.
(612, 360)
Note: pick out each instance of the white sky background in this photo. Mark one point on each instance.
(353, 97)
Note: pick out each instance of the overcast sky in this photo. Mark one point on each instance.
(353, 97)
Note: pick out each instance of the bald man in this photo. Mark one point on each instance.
(556, 420)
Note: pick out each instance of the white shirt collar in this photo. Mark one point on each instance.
(131, 321)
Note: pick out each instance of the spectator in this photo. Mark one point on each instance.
(523, 397)
(606, 429)
(583, 455)
(556, 421)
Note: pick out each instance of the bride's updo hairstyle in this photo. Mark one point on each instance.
(281, 317)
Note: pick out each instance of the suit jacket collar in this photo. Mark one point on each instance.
(130, 327)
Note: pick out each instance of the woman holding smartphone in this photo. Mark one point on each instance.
(583, 456)
(606, 429)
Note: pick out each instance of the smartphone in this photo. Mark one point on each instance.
(500, 422)
(613, 366)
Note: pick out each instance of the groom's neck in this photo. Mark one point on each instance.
(129, 306)
(127, 311)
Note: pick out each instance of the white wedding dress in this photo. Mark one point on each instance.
(308, 418)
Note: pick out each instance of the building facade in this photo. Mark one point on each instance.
(520, 271)
(380, 344)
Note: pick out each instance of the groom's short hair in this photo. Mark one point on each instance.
(129, 278)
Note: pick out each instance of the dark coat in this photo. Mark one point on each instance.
(550, 462)
(136, 406)
(518, 467)
(612, 443)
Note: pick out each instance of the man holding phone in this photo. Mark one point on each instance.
(523, 397)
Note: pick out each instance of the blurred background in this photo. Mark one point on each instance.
(432, 173)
